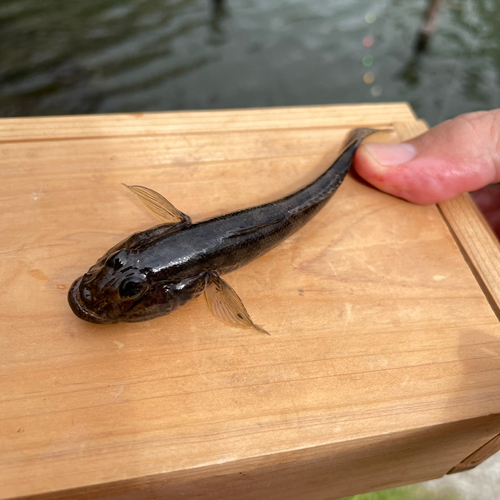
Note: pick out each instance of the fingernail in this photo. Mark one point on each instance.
(391, 154)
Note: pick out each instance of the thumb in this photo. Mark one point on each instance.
(458, 155)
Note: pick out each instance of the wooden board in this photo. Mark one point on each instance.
(383, 365)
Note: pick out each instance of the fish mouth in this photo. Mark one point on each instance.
(80, 309)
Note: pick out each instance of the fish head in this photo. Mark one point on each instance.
(110, 290)
(120, 287)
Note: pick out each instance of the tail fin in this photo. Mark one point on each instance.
(358, 134)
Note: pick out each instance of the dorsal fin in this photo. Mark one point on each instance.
(159, 205)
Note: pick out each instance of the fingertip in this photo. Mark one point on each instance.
(372, 171)
(396, 170)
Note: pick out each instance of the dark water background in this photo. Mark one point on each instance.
(99, 56)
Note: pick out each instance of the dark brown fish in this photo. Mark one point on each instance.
(157, 271)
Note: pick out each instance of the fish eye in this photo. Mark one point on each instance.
(132, 288)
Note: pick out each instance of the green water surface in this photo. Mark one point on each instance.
(97, 56)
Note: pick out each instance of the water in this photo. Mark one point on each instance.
(101, 56)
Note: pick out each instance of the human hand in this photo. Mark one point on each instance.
(459, 155)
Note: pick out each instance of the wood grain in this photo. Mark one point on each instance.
(383, 365)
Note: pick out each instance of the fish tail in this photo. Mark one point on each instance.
(361, 133)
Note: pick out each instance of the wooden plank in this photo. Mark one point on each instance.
(382, 340)
(481, 250)
(330, 472)
(125, 125)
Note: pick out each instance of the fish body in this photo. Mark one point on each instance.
(157, 271)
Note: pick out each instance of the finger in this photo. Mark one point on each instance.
(458, 155)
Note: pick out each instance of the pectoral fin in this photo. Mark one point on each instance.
(159, 205)
(225, 304)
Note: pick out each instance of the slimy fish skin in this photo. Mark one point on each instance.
(154, 272)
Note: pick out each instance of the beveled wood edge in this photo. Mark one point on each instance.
(100, 126)
(479, 456)
(266, 110)
(478, 244)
